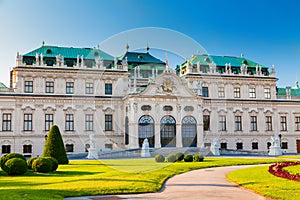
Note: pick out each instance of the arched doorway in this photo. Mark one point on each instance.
(146, 130)
(189, 131)
(168, 131)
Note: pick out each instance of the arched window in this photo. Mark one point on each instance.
(189, 131)
(168, 131)
(146, 130)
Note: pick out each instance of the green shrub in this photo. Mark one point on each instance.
(8, 156)
(54, 163)
(43, 165)
(198, 157)
(30, 161)
(188, 158)
(179, 156)
(15, 166)
(159, 158)
(171, 158)
(54, 146)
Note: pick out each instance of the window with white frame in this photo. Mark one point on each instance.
(28, 87)
(69, 122)
(69, 87)
(89, 122)
(283, 124)
(108, 88)
(252, 93)
(48, 121)
(108, 122)
(268, 123)
(238, 123)
(27, 148)
(89, 88)
(267, 92)
(222, 123)
(237, 92)
(206, 122)
(221, 92)
(49, 87)
(6, 122)
(27, 122)
(253, 123)
(297, 123)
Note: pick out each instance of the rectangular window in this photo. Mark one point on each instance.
(69, 122)
(108, 88)
(206, 122)
(69, 147)
(237, 92)
(70, 87)
(89, 88)
(297, 123)
(252, 93)
(283, 126)
(27, 148)
(239, 146)
(6, 122)
(108, 123)
(27, 122)
(223, 145)
(268, 123)
(205, 91)
(238, 123)
(254, 145)
(49, 87)
(89, 122)
(28, 87)
(221, 92)
(284, 145)
(5, 149)
(48, 121)
(222, 123)
(253, 123)
(267, 92)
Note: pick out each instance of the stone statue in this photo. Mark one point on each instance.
(275, 148)
(93, 153)
(99, 62)
(215, 147)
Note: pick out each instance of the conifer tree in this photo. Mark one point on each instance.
(54, 146)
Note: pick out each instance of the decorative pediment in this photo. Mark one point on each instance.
(108, 110)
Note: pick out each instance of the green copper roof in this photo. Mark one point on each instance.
(222, 60)
(70, 52)
(148, 67)
(136, 57)
(3, 88)
(294, 91)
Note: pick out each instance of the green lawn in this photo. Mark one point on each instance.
(261, 181)
(92, 177)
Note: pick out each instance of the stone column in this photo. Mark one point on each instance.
(178, 135)
(157, 135)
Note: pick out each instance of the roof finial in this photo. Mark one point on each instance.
(242, 55)
(127, 47)
(147, 48)
(167, 63)
(43, 43)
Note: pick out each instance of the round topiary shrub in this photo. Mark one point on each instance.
(54, 163)
(198, 157)
(8, 156)
(30, 161)
(15, 166)
(179, 156)
(43, 165)
(159, 158)
(171, 158)
(188, 158)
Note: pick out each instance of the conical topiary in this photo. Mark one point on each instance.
(54, 146)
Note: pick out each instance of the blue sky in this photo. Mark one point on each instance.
(267, 32)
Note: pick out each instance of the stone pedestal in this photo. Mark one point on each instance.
(275, 151)
(93, 153)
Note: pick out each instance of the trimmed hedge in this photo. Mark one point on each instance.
(54, 146)
(159, 158)
(171, 158)
(15, 166)
(198, 157)
(54, 163)
(179, 156)
(8, 156)
(30, 161)
(43, 165)
(188, 158)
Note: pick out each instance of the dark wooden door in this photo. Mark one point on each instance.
(298, 146)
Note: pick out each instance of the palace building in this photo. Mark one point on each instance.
(123, 100)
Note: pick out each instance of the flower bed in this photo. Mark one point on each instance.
(277, 170)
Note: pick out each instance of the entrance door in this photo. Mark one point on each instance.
(298, 146)
(168, 131)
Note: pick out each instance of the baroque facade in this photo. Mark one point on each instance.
(123, 100)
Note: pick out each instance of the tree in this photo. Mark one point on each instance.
(54, 146)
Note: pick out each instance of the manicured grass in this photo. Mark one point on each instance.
(293, 169)
(86, 177)
(290, 157)
(261, 181)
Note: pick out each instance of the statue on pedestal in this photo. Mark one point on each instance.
(145, 149)
(215, 147)
(93, 153)
(275, 148)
